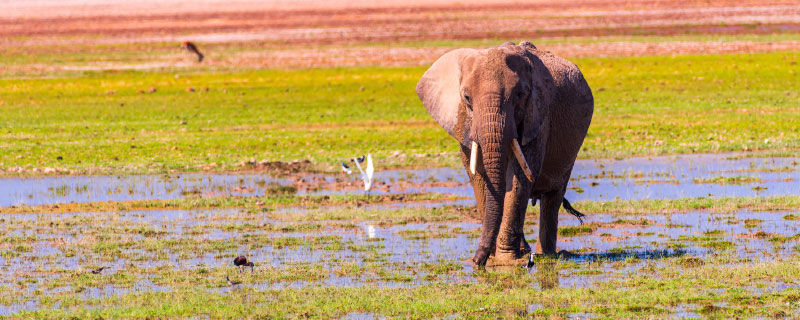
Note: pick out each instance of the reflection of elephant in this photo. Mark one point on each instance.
(512, 99)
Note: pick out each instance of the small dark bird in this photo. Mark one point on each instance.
(346, 168)
(241, 262)
(189, 46)
(98, 270)
(361, 158)
(231, 282)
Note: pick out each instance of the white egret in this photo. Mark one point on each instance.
(366, 175)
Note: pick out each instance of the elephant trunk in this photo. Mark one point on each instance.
(494, 132)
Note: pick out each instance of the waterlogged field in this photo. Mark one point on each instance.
(118, 151)
(395, 262)
(324, 248)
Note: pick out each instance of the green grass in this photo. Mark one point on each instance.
(574, 231)
(727, 180)
(97, 122)
(713, 288)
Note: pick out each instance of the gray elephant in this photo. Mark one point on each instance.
(520, 115)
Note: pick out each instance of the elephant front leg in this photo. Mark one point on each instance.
(511, 239)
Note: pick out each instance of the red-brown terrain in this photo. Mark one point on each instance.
(344, 33)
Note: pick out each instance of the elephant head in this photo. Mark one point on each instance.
(489, 100)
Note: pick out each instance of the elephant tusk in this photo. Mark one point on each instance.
(521, 159)
(473, 157)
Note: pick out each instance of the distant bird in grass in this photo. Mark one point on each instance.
(366, 175)
(242, 262)
(530, 262)
(191, 48)
(98, 270)
(346, 168)
(232, 282)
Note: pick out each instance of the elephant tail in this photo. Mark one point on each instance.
(572, 211)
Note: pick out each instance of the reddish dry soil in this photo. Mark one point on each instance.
(433, 22)
(360, 32)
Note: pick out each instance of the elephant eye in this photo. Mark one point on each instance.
(468, 100)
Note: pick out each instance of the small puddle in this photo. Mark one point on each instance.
(361, 316)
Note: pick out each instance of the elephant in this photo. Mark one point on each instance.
(520, 116)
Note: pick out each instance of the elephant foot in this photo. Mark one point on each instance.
(509, 265)
(506, 255)
(481, 257)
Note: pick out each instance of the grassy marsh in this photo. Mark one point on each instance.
(329, 265)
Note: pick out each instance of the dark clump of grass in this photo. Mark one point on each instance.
(689, 262)
(617, 251)
(589, 272)
(714, 233)
(278, 189)
(443, 267)
(752, 223)
(574, 231)
(783, 239)
(727, 180)
(709, 309)
(718, 245)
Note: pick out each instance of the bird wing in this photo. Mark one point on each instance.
(370, 171)
(363, 175)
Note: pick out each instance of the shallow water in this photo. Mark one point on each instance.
(401, 248)
(673, 177)
(67, 189)
(665, 177)
(61, 239)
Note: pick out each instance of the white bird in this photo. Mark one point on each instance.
(367, 176)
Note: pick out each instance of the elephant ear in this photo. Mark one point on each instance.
(538, 101)
(440, 89)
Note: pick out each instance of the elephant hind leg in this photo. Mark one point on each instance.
(548, 221)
